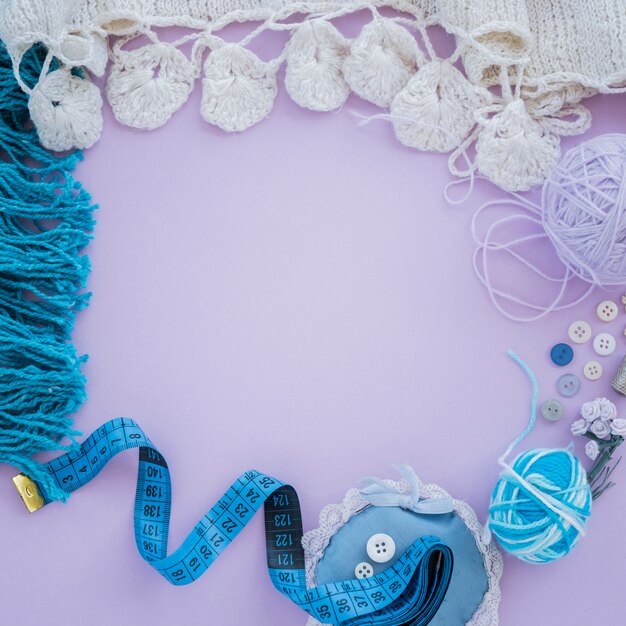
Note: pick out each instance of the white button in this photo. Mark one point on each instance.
(604, 344)
(579, 331)
(381, 548)
(607, 310)
(363, 570)
(624, 299)
(592, 370)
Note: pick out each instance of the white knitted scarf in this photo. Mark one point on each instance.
(513, 84)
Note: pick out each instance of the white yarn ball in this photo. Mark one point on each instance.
(238, 88)
(315, 56)
(584, 209)
(442, 103)
(146, 86)
(514, 150)
(66, 110)
(382, 59)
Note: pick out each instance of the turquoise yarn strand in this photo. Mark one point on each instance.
(45, 222)
(533, 405)
(540, 506)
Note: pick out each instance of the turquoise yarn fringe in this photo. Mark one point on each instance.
(45, 222)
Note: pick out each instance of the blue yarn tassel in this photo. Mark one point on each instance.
(46, 218)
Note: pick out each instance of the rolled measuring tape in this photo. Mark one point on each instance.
(407, 594)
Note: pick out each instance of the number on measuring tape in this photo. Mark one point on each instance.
(409, 592)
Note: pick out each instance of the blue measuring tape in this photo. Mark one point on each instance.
(406, 594)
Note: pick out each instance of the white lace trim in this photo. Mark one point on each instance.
(334, 516)
(392, 63)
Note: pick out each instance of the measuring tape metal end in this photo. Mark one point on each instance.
(29, 492)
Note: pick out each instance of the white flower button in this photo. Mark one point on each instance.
(592, 370)
(604, 344)
(607, 310)
(579, 332)
(381, 548)
(363, 570)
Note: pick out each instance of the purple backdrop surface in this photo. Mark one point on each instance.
(297, 299)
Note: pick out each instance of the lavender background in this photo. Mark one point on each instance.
(297, 299)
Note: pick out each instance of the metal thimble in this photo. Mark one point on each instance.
(619, 380)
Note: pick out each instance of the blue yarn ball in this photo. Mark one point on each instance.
(540, 506)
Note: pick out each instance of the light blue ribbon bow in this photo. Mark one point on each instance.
(377, 493)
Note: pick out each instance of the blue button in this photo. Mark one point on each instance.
(562, 354)
(568, 385)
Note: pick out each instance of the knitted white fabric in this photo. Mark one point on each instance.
(513, 85)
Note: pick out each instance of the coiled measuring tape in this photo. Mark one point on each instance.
(408, 593)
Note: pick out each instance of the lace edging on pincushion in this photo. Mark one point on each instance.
(391, 63)
(334, 516)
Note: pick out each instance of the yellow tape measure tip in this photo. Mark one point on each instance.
(27, 488)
